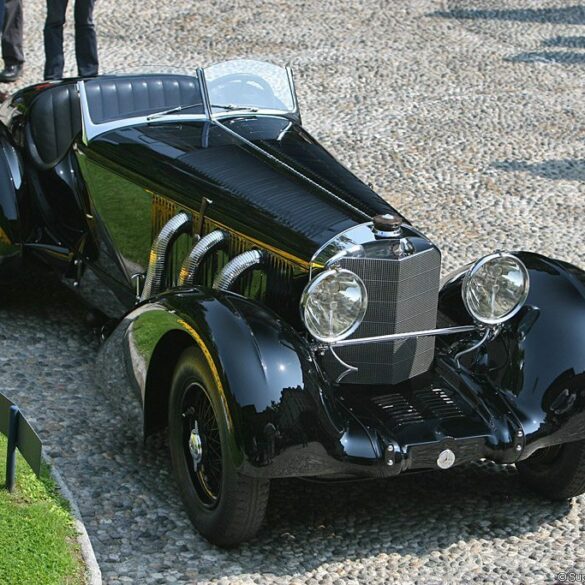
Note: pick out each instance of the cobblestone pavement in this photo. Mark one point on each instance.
(468, 116)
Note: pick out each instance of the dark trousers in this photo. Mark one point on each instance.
(1, 14)
(85, 39)
(12, 33)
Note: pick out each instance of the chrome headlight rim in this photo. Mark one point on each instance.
(474, 269)
(310, 287)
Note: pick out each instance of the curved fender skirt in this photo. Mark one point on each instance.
(537, 363)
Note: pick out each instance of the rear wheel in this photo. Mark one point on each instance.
(557, 473)
(225, 506)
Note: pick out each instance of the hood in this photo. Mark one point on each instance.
(296, 206)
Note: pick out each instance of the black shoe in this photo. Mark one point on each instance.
(11, 73)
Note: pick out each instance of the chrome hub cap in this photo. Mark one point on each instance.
(195, 446)
(202, 444)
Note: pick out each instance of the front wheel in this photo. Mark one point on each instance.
(226, 507)
(557, 473)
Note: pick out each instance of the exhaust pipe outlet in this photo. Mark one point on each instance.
(176, 226)
(200, 250)
(228, 275)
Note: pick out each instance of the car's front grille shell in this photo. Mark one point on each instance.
(402, 297)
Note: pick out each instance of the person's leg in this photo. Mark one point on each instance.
(85, 39)
(1, 15)
(12, 34)
(54, 59)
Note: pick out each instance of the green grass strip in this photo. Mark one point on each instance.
(37, 536)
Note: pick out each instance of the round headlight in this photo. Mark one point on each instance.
(333, 304)
(495, 288)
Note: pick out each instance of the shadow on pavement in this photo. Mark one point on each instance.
(413, 515)
(568, 58)
(407, 516)
(565, 15)
(564, 169)
(566, 42)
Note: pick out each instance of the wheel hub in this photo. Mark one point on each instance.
(196, 446)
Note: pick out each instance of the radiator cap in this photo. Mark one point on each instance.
(387, 225)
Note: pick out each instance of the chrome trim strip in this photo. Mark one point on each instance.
(409, 335)
(244, 113)
(204, 93)
(331, 240)
(293, 89)
(452, 276)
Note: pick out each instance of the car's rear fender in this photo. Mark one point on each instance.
(537, 363)
(11, 195)
(275, 403)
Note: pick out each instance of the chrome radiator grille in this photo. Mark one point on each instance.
(402, 297)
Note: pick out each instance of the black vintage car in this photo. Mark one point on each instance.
(279, 317)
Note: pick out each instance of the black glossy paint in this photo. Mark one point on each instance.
(522, 391)
(250, 194)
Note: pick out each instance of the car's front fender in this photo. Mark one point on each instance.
(537, 363)
(275, 404)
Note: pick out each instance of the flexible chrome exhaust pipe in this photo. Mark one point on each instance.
(176, 226)
(200, 250)
(236, 267)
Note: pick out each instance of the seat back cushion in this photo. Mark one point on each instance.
(55, 121)
(115, 98)
(55, 117)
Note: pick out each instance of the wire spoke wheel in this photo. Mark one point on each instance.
(202, 444)
(225, 506)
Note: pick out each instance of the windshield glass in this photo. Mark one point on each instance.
(248, 84)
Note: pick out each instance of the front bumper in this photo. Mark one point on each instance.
(427, 423)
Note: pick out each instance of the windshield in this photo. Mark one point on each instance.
(249, 84)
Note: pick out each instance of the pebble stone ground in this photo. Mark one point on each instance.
(468, 116)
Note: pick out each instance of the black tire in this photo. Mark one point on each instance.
(225, 506)
(558, 472)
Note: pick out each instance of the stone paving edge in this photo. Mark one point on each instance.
(93, 573)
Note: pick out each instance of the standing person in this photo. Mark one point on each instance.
(2, 94)
(85, 39)
(12, 41)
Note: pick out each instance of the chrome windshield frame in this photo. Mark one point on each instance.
(294, 112)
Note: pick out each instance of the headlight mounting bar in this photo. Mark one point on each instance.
(399, 336)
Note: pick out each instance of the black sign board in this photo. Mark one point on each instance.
(27, 441)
